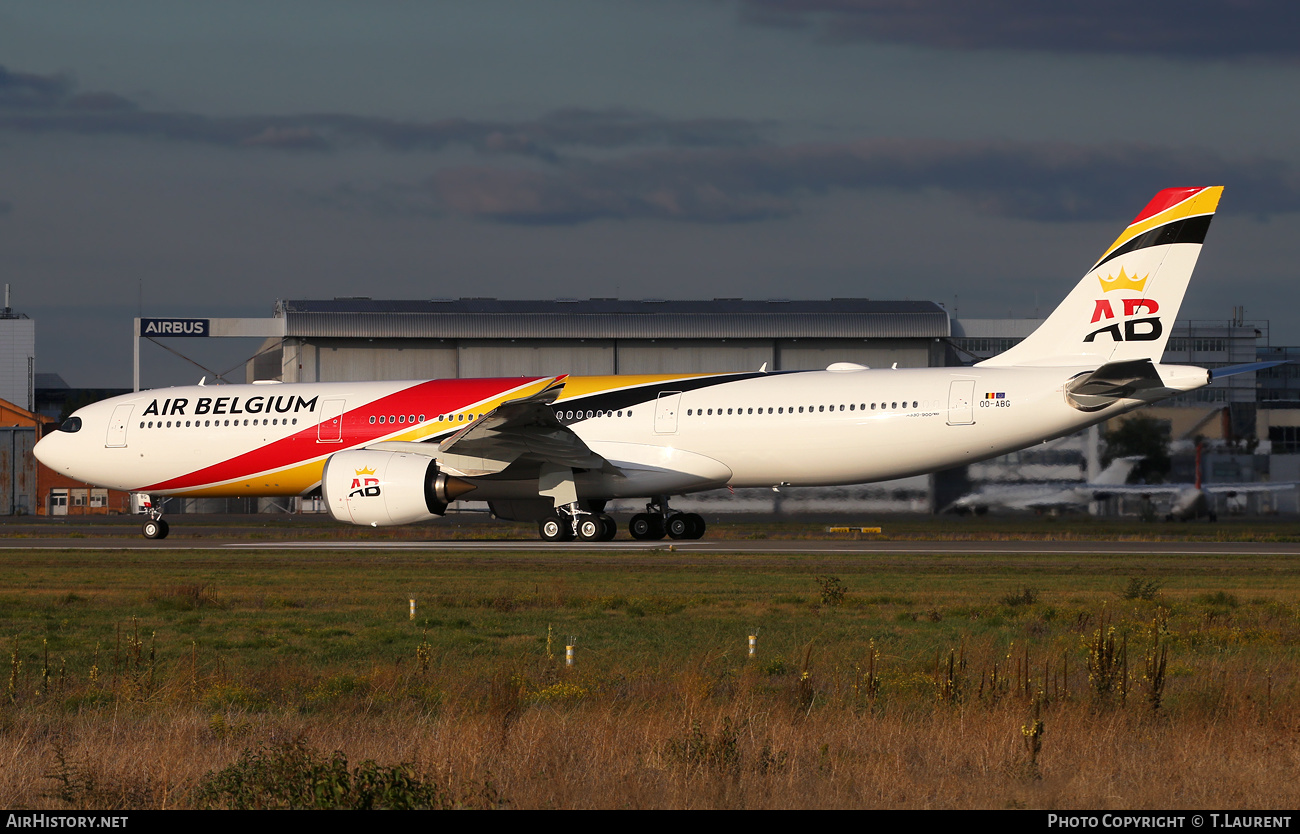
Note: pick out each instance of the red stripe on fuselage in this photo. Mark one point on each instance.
(439, 396)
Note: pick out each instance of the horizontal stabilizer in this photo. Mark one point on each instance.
(1233, 370)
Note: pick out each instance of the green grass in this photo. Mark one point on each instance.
(240, 647)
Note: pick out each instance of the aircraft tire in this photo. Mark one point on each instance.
(680, 526)
(697, 525)
(609, 528)
(646, 527)
(554, 528)
(590, 528)
(155, 529)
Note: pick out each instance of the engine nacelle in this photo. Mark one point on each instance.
(382, 489)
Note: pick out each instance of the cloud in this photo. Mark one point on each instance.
(26, 91)
(1034, 181)
(1189, 29)
(50, 104)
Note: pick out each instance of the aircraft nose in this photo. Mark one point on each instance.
(45, 452)
(53, 451)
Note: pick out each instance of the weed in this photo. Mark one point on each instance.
(1218, 598)
(950, 679)
(1032, 736)
(1154, 679)
(292, 776)
(80, 786)
(867, 682)
(1139, 588)
(184, 598)
(1025, 596)
(697, 750)
(832, 591)
(1108, 665)
(423, 654)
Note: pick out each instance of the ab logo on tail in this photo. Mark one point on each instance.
(1146, 329)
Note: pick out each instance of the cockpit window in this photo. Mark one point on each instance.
(70, 425)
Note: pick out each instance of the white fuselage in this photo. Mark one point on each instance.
(665, 436)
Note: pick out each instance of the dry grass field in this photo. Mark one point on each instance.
(183, 679)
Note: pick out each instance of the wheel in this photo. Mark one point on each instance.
(590, 528)
(679, 526)
(610, 528)
(553, 528)
(697, 524)
(646, 527)
(155, 529)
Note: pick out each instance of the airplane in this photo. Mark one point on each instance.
(1188, 502)
(555, 450)
(1043, 497)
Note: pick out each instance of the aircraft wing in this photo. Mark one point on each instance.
(522, 429)
(1215, 489)
(1252, 487)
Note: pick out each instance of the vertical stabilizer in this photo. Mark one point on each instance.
(1125, 307)
(1118, 471)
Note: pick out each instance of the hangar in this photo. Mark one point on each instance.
(360, 338)
(345, 339)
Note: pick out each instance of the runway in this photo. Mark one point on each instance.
(698, 548)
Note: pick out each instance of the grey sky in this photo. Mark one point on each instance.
(224, 155)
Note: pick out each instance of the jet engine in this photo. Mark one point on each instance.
(381, 489)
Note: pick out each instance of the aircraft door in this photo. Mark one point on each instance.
(116, 438)
(330, 428)
(961, 402)
(666, 412)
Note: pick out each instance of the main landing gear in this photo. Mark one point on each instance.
(660, 519)
(571, 522)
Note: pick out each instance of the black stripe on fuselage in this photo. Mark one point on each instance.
(646, 395)
(624, 399)
(1187, 230)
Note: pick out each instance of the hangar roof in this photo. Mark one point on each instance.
(607, 318)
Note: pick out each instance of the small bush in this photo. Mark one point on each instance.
(1025, 596)
(292, 776)
(833, 590)
(720, 753)
(1147, 589)
(1219, 598)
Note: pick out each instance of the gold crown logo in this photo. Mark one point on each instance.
(1122, 282)
(366, 471)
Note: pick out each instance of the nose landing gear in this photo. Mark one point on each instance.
(154, 527)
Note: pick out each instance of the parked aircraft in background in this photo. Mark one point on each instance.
(1061, 496)
(1188, 502)
(556, 449)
